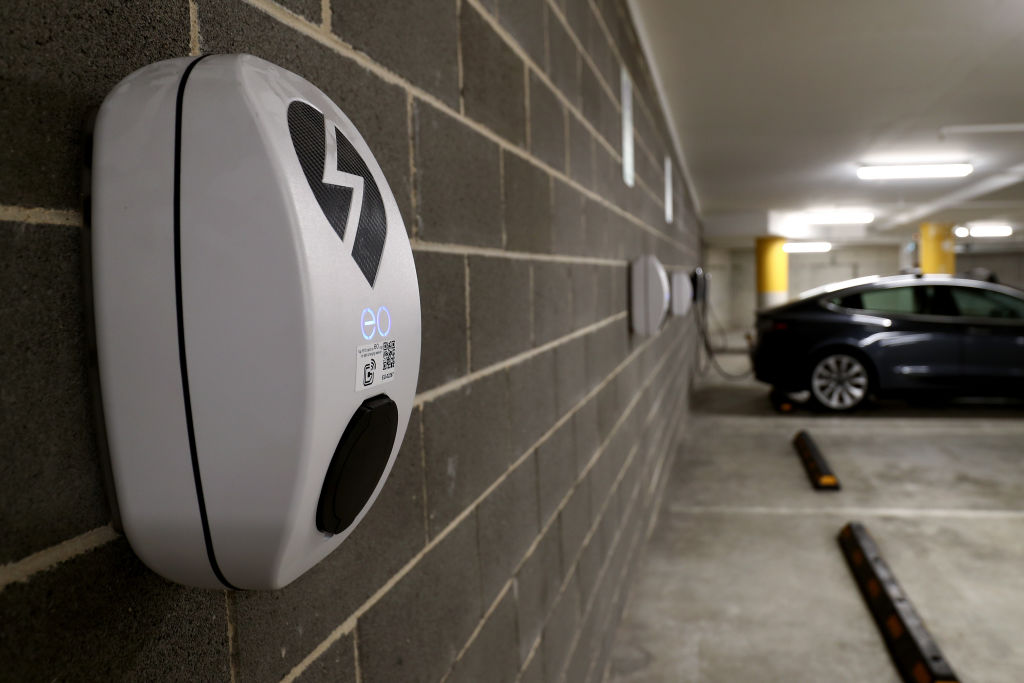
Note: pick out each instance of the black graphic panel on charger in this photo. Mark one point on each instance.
(340, 183)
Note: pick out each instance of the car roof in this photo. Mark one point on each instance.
(879, 281)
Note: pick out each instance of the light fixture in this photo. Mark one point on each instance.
(982, 129)
(961, 231)
(836, 216)
(990, 230)
(806, 247)
(914, 171)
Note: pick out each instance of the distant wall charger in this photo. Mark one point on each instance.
(257, 319)
(649, 292)
(682, 292)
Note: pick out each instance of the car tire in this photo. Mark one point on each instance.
(839, 381)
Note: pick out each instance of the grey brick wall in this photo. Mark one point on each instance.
(502, 546)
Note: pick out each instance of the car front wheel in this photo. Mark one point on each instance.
(839, 382)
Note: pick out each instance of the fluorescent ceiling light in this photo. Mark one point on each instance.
(806, 247)
(841, 216)
(982, 128)
(912, 171)
(961, 231)
(990, 230)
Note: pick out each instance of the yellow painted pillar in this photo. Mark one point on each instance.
(936, 243)
(772, 272)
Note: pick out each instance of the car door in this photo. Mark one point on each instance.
(993, 338)
(915, 348)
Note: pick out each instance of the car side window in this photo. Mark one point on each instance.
(891, 300)
(984, 303)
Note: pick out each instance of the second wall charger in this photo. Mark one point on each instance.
(649, 294)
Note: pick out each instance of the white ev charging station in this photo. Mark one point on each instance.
(257, 319)
(649, 294)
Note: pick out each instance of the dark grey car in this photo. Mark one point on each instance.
(894, 335)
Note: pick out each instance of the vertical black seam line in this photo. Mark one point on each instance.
(182, 359)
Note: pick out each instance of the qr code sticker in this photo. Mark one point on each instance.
(389, 354)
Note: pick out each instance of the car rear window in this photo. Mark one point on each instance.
(984, 303)
(892, 300)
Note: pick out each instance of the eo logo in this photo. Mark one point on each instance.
(372, 324)
(341, 183)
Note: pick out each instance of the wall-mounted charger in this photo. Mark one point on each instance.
(257, 319)
(649, 293)
(682, 292)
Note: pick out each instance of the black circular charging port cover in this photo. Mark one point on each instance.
(358, 463)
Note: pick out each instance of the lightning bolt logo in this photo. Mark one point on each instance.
(341, 183)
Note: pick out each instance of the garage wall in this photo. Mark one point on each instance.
(503, 541)
(734, 293)
(1008, 266)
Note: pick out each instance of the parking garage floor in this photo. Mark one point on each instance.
(743, 579)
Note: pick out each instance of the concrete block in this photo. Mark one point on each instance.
(628, 238)
(574, 522)
(492, 656)
(619, 285)
(604, 286)
(524, 19)
(277, 629)
(537, 585)
(568, 236)
(442, 280)
(598, 108)
(564, 64)
(581, 153)
(597, 220)
(577, 13)
(570, 374)
(105, 613)
(307, 9)
(415, 40)
(556, 470)
(602, 477)
(586, 433)
(462, 457)
(532, 400)
(458, 191)
(60, 60)
(547, 124)
(560, 631)
(552, 307)
(508, 525)
(600, 51)
(606, 348)
(585, 651)
(607, 180)
(534, 671)
(584, 295)
(493, 80)
(499, 309)
(434, 607)
(604, 536)
(337, 665)
(377, 109)
(527, 205)
(45, 404)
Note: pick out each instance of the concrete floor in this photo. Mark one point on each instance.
(743, 580)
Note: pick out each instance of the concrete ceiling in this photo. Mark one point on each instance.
(776, 103)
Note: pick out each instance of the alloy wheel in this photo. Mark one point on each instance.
(839, 382)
